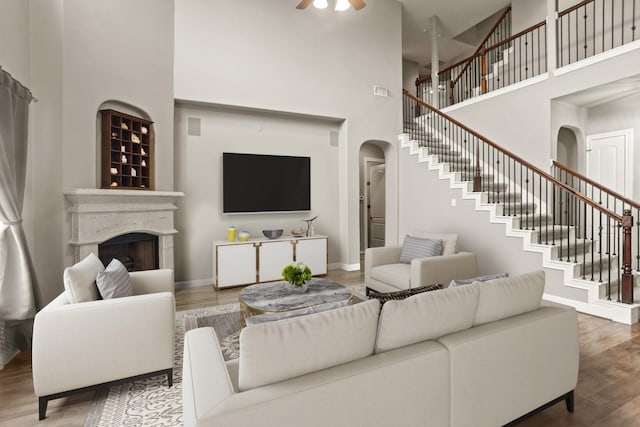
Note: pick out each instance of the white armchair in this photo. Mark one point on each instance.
(80, 346)
(383, 271)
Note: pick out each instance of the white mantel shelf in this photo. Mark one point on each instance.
(98, 215)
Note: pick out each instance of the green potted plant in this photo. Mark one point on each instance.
(297, 274)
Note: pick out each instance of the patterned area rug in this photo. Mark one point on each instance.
(150, 402)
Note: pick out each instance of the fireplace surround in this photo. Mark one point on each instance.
(98, 215)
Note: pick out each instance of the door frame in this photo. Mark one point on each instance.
(628, 151)
(368, 162)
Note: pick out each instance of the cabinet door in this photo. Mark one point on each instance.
(235, 265)
(273, 256)
(313, 252)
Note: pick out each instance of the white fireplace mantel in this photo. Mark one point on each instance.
(98, 215)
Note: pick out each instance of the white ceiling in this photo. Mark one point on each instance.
(603, 94)
(454, 17)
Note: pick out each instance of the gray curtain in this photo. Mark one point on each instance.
(17, 290)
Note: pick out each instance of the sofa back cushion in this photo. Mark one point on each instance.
(80, 279)
(449, 240)
(510, 296)
(276, 351)
(426, 316)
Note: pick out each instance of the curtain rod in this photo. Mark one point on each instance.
(33, 98)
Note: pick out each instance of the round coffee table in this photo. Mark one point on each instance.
(276, 297)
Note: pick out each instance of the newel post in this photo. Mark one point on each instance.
(418, 84)
(627, 278)
(477, 178)
(484, 70)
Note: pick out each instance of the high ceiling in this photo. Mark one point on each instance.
(454, 17)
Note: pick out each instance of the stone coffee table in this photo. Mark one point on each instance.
(276, 297)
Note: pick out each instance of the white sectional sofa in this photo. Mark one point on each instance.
(477, 355)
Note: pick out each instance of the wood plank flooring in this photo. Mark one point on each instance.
(608, 392)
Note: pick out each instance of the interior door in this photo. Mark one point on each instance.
(376, 207)
(609, 162)
(608, 156)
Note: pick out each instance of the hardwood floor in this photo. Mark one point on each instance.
(608, 392)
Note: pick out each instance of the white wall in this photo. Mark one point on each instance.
(410, 72)
(270, 56)
(531, 131)
(617, 115)
(14, 39)
(75, 55)
(425, 203)
(198, 161)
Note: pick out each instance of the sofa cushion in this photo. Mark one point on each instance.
(449, 240)
(502, 298)
(484, 278)
(426, 316)
(415, 247)
(114, 281)
(398, 275)
(80, 279)
(276, 351)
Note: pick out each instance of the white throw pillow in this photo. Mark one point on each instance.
(276, 351)
(114, 281)
(449, 240)
(502, 298)
(426, 316)
(80, 279)
(415, 247)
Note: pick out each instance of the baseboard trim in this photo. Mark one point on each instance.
(193, 283)
(343, 266)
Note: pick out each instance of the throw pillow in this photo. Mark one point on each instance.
(80, 279)
(484, 278)
(400, 295)
(114, 281)
(414, 247)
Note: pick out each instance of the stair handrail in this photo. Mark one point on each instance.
(574, 7)
(481, 47)
(517, 158)
(572, 203)
(596, 184)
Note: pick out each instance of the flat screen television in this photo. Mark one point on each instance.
(253, 183)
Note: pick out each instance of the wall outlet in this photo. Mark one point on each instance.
(454, 202)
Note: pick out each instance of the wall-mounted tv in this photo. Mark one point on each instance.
(265, 183)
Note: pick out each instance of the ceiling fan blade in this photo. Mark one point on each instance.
(357, 4)
(303, 4)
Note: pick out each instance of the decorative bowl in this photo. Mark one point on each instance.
(272, 234)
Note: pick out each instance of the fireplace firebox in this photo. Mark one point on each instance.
(137, 251)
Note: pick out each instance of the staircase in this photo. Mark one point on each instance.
(554, 222)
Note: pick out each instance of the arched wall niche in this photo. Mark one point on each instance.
(112, 104)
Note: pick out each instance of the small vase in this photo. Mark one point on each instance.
(298, 289)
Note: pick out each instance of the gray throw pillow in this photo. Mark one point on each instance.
(460, 282)
(414, 247)
(114, 281)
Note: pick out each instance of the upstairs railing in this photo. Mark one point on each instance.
(579, 229)
(500, 31)
(604, 196)
(505, 62)
(595, 26)
(583, 30)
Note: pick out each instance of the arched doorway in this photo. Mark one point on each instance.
(568, 151)
(372, 195)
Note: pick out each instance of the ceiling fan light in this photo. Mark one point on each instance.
(320, 4)
(342, 5)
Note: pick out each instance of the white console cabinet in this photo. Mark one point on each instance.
(262, 260)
